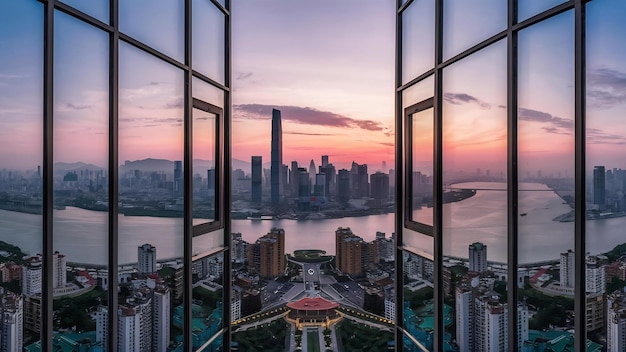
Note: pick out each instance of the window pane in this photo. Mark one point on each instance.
(151, 200)
(475, 198)
(157, 23)
(529, 8)
(208, 298)
(420, 91)
(208, 40)
(207, 92)
(418, 39)
(204, 162)
(81, 149)
(606, 171)
(96, 8)
(418, 291)
(421, 167)
(461, 18)
(21, 132)
(546, 174)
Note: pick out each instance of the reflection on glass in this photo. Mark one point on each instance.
(467, 23)
(208, 298)
(546, 176)
(21, 132)
(208, 40)
(475, 199)
(418, 39)
(420, 91)
(421, 167)
(418, 292)
(81, 116)
(207, 92)
(96, 8)
(529, 8)
(204, 162)
(606, 174)
(151, 201)
(156, 23)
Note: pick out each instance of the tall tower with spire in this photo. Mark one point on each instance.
(277, 157)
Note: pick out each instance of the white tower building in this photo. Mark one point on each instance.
(146, 259)
(567, 273)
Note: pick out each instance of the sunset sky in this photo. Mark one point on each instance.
(329, 67)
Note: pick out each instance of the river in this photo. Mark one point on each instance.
(82, 234)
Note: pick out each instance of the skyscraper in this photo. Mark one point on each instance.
(277, 157)
(178, 178)
(146, 259)
(257, 178)
(312, 172)
(293, 179)
(477, 257)
(324, 160)
(380, 188)
(567, 269)
(343, 186)
(268, 254)
(599, 190)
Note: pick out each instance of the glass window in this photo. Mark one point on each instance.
(418, 39)
(475, 197)
(21, 146)
(96, 8)
(150, 197)
(606, 171)
(205, 165)
(546, 173)
(528, 8)
(156, 23)
(466, 23)
(208, 40)
(421, 130)
(207, 92)
(81, 149)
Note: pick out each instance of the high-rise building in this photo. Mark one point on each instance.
(277, 157)
(595, 277)
(257, 178)
(178, 178)
(31, 276)
(146, 259)
(380, 188)
(210, 177)
(616, 321)
(143, 321)
(349, 249)
(59, 270)
(567, 271)
(304, 190)
(11, 321)
(312, 172)
(477, 257)
(267, 256)
(343, 186)
(482, 319)
(324, 160)
(599, 187)
(293, 179)
(330, 172)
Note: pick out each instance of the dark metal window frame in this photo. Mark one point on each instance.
(511, 33)
(409, 223)
(222, 170)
